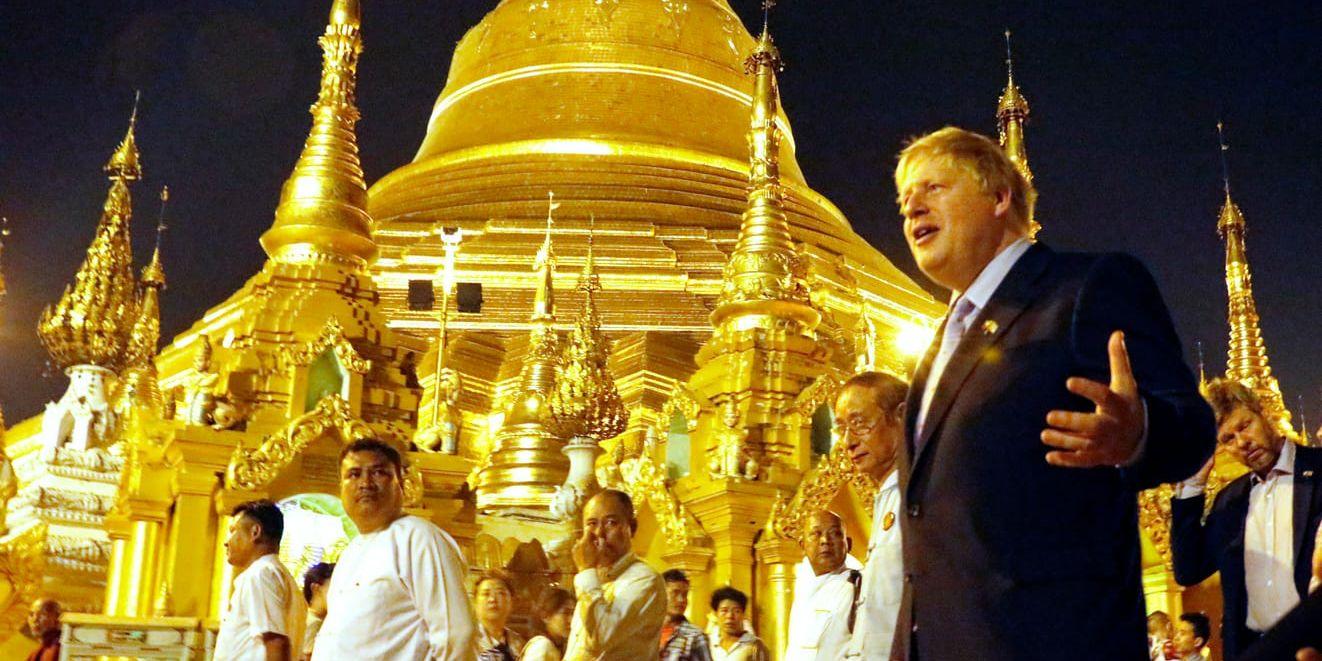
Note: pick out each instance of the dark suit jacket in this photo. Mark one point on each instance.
(1198, 549)
(1301, 627)
(1007, 557)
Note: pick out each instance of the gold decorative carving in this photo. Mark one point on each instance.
(817, 490)
(253, 469)
(332, 337)
(822, 390)
(644, 479)
(22, 565)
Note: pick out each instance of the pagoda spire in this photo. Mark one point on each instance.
(140, 383)
(323, 205)
(91, 323)
(586, 402)
(1247, 354)
(764, 280)
(1011, 113)
(539, 367)
(526, 464)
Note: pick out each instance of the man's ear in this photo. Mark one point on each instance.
(849, 544)
(1003, 199)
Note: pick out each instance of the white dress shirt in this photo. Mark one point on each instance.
(883, 577)
(975, 298)
(1269, 544)
(398, 594)
(265, 599)
(819, 617)
(618, 615)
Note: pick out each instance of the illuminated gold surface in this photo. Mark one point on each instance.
(1011, 113)
(92, 321)
(526, 464)
(1246, 357)
(323, 203)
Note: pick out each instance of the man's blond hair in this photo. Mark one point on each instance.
(1225, 395)
(981, 158)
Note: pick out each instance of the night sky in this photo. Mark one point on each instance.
(1125, 98)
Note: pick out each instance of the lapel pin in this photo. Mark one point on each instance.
(1308, 473)
(989, 327)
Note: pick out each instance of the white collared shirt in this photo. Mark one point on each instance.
(819, 617)
(1269, 544)
(883, 577)
(265, 599)
(398, 593)
(619, 615)
(978, 295)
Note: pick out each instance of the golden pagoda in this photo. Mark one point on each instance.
(1011, 113)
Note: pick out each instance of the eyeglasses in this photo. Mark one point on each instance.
(857, 426)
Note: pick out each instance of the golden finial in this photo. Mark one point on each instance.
(544, 264)
(153, 275)
(123, 163)
(1247, 353)
(4, 234)
(586, 402)
(764, 281)
(92, 321)
(323, 205)
(1011, 114)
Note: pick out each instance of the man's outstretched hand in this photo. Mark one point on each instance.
(1109, 436)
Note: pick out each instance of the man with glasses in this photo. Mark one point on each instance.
(869, 420)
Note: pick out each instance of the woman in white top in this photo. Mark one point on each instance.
(556, 611)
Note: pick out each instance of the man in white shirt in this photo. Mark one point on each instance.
(621, 600)
(1258, 533)
(825, 593)
(869, 419)
(265, 614)
(398, 588)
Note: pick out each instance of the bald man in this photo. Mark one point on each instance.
(825, 592)
(44, 621)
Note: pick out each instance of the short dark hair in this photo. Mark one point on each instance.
(380, 447)
(267, 515)
(553, 599)
(728, 593)
(623, 499)
(499, 575)
(675, 576)
(316, 575)
(888, 391)
(1202, 627)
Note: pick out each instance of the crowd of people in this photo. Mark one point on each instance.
(1004, 527)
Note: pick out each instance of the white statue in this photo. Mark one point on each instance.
(83, 418)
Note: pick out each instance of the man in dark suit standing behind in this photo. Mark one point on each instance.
(1029, 434)
(1259, 534)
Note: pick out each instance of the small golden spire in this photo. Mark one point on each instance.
(526, 463)
(586, 402)
(4, 234)
(764, 279)
(323, 205)
(1247, 353)
(92, 321)
(123, 162)
(1011, 113)
(139, 382)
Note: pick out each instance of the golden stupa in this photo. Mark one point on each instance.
(724, 302)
